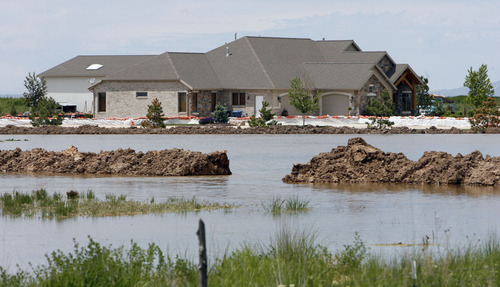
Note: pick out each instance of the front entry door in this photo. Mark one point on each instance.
(258, 105)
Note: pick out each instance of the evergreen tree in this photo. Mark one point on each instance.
(155, 114)
(220, 114)
(45, 113)
(381, 108)
(424, 99)
(42, 109)
(37, 89)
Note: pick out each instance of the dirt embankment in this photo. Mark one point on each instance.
(359, 162)
(227, 129)
(174, 162)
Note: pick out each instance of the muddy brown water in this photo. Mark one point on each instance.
(382, 214)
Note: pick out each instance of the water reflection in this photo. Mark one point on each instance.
(445, 190)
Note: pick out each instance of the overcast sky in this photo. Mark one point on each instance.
(439, 39)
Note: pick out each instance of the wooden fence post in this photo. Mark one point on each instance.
(203, 254)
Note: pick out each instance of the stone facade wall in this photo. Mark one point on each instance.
(121, 99)
(371, 90)
(387, 66)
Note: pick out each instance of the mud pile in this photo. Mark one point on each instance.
(227, 129)
(359, 162)
(173, 162)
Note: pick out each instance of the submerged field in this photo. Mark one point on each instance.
(391, 220)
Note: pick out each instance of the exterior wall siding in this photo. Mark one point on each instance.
(73, 90)
(121, 99)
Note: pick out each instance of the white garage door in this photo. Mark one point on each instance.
(335, 105)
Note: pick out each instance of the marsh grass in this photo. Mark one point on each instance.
(293, 257)
(40, 203)
(277, 205)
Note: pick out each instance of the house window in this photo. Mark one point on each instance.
(239, 99)
(182, 102)
(194, 103)
(141, 94)
(370, 89)
(101, 101)
(213, 97)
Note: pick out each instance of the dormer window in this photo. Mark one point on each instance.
(94, 67)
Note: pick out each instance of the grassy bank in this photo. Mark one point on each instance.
(291, 259)
(12, 106)
(40, 203)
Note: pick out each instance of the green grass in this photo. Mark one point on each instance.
(291, 258)
(40, 203)
(277, 205)
(12, 105)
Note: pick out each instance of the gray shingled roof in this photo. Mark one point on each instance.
(281, 58)
(358, 57)
(252, 63)
(331, 49)
(242, 69)
(156, 68)
(195, 70)
(400, 68)
(77, 66)
(341, 76)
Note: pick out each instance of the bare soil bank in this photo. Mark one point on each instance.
(174, 162)
(227, 129)
(359, 162)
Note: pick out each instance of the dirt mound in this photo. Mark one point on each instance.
(228, 129)
(173, 162)
(360, 162)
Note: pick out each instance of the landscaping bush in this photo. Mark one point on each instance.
(220, 114)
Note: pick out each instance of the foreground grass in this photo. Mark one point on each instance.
(40, 203)
(292, 258)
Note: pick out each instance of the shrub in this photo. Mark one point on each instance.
(379, 124)
(265, 116)
(45, 113)
(204, 121)
(486, 116)
(220, 114)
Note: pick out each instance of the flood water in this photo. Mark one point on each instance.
(381, 214)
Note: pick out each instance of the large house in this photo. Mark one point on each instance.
(239, 75)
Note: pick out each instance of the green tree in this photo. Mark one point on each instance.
(155, 114)
(37, 89)
(45, 113)
(479, 85)
(381, 108)
(220, 114)
(424, 99)
(42, 109)
(302, 99)
(265, 116)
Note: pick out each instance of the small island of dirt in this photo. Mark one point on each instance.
(359, 162)
(173, 162)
